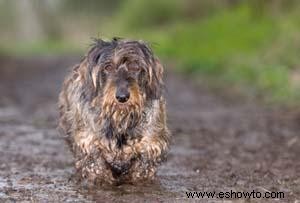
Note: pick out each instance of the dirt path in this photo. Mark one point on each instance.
(219, 144)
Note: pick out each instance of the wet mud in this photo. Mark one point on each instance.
(220, 143)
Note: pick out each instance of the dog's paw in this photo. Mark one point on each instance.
(149, 152)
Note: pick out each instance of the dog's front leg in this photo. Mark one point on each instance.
(152, 148)
(148, 153)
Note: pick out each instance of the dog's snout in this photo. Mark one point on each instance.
(122, 96)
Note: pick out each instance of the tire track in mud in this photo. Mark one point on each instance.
(219, 144)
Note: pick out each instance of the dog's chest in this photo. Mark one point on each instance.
(120, 136)
(128, 137)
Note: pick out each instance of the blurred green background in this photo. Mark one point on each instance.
(252, 46)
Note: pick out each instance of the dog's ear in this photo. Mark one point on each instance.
(95, 51)
(98, 48)
(155, 72)
(155, 79)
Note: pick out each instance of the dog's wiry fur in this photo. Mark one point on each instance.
(115, 142)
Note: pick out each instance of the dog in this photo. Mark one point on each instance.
(112, 112)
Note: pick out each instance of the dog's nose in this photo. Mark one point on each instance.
(123, 97)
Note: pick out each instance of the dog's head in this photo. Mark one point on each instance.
(126, 75)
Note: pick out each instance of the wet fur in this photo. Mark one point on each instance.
(111, 142)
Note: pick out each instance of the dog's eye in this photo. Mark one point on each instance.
(133, 67)
(109, 68)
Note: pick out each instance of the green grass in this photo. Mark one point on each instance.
(218, 38)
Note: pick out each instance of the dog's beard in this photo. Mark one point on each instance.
(122, 117)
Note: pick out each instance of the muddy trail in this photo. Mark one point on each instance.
(220, 143)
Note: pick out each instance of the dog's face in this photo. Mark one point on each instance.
(126, 76)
